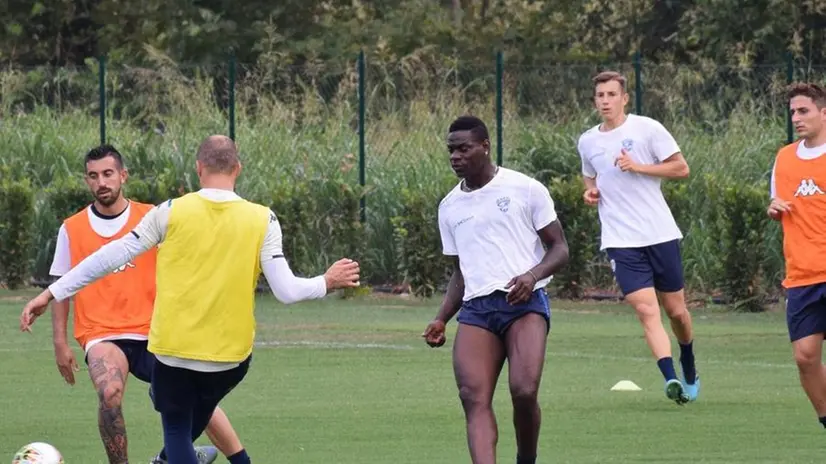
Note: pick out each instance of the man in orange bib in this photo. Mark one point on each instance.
(798, 201)
(112, 316)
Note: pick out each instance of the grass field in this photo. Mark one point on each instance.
(352, 382)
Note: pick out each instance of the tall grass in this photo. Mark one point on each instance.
(291, 128)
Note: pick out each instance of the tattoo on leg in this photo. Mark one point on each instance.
(109, 383)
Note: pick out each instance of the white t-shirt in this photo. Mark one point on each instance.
(493, 230)
(632, 209)
(151, 231)
(804, 153)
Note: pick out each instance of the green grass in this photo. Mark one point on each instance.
(352, 382)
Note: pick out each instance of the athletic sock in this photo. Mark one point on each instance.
(687, 362)
(240, 457)
(521, 460)
(823, 421)
(666, 365)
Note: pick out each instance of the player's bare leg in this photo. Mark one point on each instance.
(647, 307)
(525, 343)
(108, 369)
(808, 355)
(677, 311)
(222, 435)
(681, 325)
(478, 356)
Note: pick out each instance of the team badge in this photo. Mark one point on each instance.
(503, 204)
(628, 144)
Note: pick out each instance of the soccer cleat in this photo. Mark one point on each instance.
(675, 392)
(692, 391)
(204, 454)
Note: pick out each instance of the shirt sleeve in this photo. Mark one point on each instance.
(773, 182)
(448, 241)
(62, 260)
(146, 235)
(587, 168)
(285, 286)
(541, 205)
(272, 247)
(662, 143)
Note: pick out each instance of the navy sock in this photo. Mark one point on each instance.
(521, 460)
(666, 366)
(177, 436)
(240, 457)
(823, 421)
(687, 362)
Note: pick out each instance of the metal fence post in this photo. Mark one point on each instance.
(638, 82)
(362, 148)
(500, 71)
(102, 96)
(789, 80)
(232, 65)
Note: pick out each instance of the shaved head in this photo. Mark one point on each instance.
(218, 154)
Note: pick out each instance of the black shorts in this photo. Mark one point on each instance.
(141, 361)
(806, 311)
(176, 389)
(494, 313)
(659, 266)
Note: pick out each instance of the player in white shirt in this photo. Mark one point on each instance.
(624, 160)
(501, 230)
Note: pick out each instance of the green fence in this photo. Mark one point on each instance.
(315, 138)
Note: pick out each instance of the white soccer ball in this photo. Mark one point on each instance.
(37, 453)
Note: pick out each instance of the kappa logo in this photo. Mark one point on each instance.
(808, 188)
(123, 268)
(503, 204)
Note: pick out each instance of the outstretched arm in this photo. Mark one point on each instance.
(288, 288)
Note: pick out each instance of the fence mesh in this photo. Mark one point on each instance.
(303, 122)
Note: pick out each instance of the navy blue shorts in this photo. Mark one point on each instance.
(141, 360)
(493, 312)
(659, 266)
(175, 389)
(806, 310)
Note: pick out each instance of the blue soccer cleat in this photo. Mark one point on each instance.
(692, 391)
(674, 391)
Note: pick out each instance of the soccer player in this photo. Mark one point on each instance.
(501, 230)
(111, 317)
(214, 247)
(798, 201)
(624, 160)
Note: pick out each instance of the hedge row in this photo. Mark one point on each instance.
(727, 233)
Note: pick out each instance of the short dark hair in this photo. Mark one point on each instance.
(608, 76)
(806, 89)
(470, 123)
(102, 151)
(218, 154)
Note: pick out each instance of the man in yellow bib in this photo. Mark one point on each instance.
(214, 247)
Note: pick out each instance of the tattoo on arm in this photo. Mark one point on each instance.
(109, 382)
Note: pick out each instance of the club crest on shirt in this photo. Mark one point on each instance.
(123, 268)
(503, 204)
(628, 144)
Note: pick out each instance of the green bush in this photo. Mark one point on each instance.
(320, 222)
(581, 225)
(418, 242)
(16, 223)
